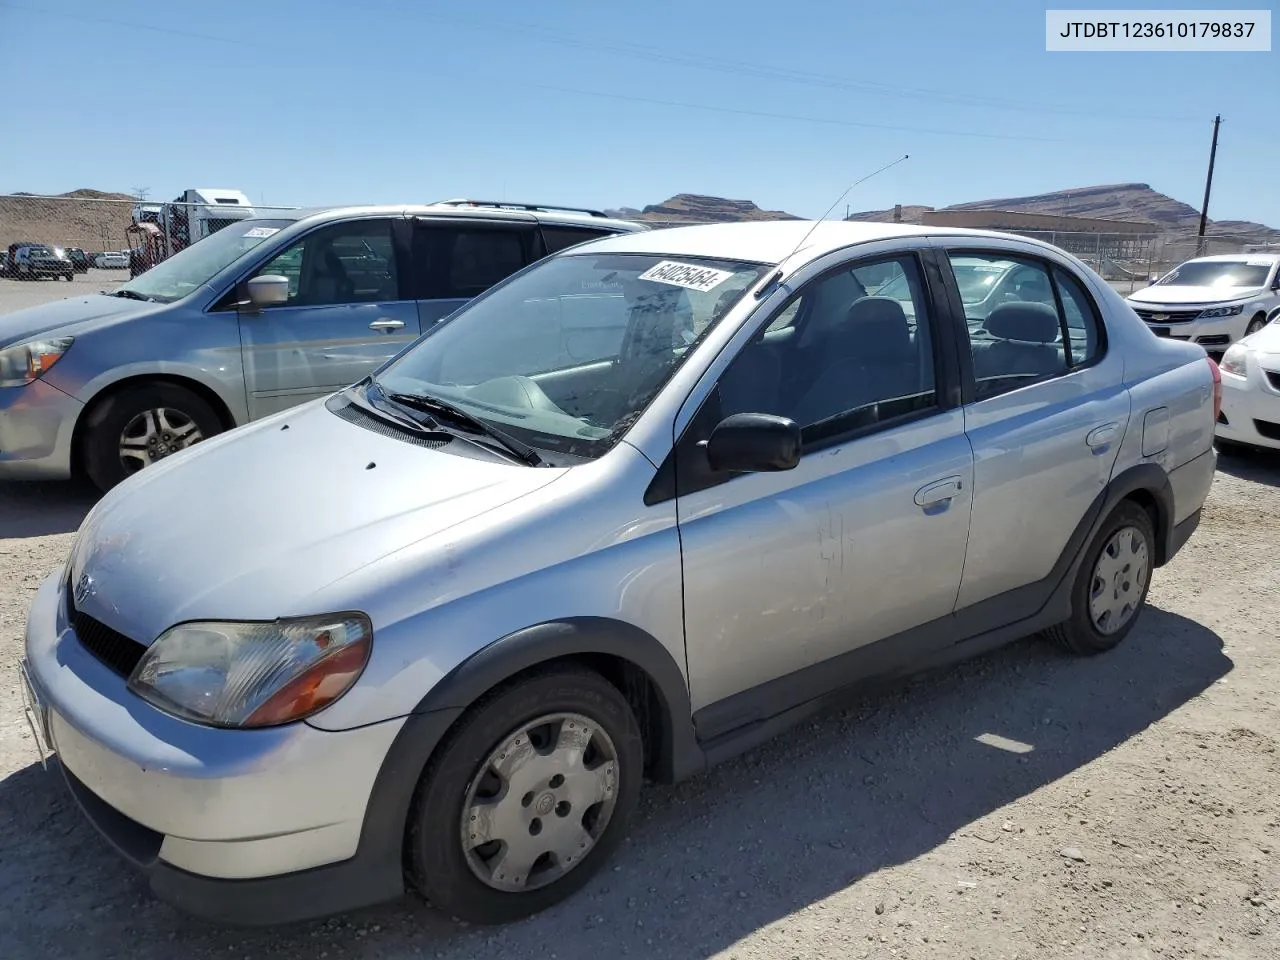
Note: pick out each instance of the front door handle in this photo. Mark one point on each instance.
(386, 325)
(1100, 438)
(938, 492)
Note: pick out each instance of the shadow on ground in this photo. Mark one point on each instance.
(709, 861)
(42, 509)
(1259, 466)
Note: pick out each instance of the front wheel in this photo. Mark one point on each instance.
(527, 797)
(140, 425)
(1256, 324)
(1111, 586)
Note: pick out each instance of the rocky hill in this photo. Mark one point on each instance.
(1118, 201)
(89, 219)
(696, 208)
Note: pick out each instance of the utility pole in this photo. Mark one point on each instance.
(1208, 185)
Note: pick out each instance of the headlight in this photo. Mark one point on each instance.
(1233, 361)
(253, 674)
(1221, 312)
(25, 362)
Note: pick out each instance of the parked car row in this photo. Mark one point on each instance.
(522, 520)
(36, 261)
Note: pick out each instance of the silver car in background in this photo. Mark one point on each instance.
(636, 509)
(263, 315)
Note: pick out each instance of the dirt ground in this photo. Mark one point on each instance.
(20, 294)
(1022, 805)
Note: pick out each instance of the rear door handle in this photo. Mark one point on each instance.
(940, 491)
(1100, 438)
(386, 325)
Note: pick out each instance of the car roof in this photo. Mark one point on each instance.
(1235, 258)
(457, 210)
(775, 241)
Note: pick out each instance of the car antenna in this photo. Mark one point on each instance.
(777, 275)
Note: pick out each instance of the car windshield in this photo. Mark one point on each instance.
(1217, 273)
(39, 252)
(566, 356)
(178, 276)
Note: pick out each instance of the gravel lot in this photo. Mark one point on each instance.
(1141, 818)
(19, 294)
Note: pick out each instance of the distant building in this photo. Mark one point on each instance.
(1092, 239)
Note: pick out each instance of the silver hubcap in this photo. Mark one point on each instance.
(1254, 327)
(1119, 579)
(540, 802)
(154, 434)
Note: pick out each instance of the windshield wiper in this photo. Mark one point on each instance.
(443, 409)
(129, 295)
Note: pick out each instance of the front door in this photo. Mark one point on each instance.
(1046, 417)
(865, 538)
(346, 315)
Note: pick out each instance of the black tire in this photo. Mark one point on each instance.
(1079, 635)
(438, 864)
(1256, 324)
(107, 421)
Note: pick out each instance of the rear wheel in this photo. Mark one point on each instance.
(140, 425)
(527, 798)
(1111, 586)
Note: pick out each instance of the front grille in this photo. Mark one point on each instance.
(1167, 316)
(1273, 378)
(1268, 429)
(110, 647)
(353, 414)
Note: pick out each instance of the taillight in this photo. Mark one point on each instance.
(1217, 388)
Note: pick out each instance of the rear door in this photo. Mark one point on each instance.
(455, 260)
(348, 312)
(1045, 410)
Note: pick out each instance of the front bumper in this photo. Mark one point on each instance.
(36, 425)
(1251, 404)
(252, 826)
(1215, 334)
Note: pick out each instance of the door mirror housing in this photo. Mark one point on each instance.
(754, 443)
(269, 290)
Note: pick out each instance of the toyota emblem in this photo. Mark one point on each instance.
(83, 590)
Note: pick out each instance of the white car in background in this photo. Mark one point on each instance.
(1213, 301)
(1250, 412)
(111, 260)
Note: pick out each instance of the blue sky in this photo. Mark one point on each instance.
(306, 102)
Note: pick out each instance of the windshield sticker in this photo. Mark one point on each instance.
(257, 232)
(1259, 263)
(686, 275)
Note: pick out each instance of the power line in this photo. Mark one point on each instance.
(832, 121)
(802, 77)
(133, 25)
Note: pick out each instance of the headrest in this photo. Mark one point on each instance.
(1029, 322)
(880, 326)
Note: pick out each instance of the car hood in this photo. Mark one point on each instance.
(70, 316)
(1193, 295)
(252, 524)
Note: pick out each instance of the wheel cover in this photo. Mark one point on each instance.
(154, 434)
(539, 802)
(1119, 579)
(1255, 325)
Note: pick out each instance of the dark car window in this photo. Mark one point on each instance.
(559, 237)
(864, 354)
(348, 263)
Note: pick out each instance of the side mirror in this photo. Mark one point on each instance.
(269, 290)
(754, 443)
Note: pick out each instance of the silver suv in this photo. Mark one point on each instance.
(259, 317)
(634, 510)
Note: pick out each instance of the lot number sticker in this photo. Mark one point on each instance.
(686, 275)
(261, 232)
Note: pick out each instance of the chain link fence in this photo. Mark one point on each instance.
(114, 233)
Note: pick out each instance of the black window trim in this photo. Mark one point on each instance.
(960, 324)
(237, 293)
(667, 484)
